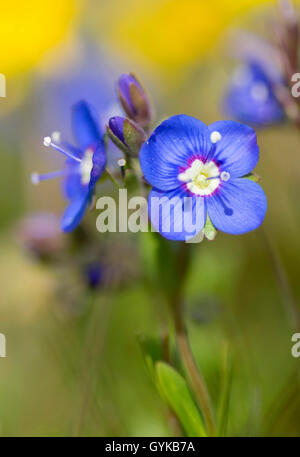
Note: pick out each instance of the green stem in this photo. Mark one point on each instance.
(111, 177)
(284, 286)
(196, 380)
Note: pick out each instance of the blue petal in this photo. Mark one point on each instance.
(99, 164)
(241, 103)
(176, 215)
(237, 207)
(85, 129)
(72, 187)
(170, 147)
(237, 151)
(74, 213)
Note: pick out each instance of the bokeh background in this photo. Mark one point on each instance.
(73, 364)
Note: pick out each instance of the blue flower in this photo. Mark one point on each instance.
(185, 158)
(84, 165)
(250, 97)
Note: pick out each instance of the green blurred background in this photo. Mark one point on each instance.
(73, 364)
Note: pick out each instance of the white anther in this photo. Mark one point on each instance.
(121, 162)
(215, 137)
(35, 178)
(47, 141)
(225, 176)
(56, 137)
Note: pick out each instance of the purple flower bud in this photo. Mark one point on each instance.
(116, 126)
(134, 100)
(40, 234)
(93, 275)
(126, 134)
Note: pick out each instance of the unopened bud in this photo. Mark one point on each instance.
(126, 134)
(134, 100)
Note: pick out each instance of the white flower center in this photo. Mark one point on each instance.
(86, 166)
(201, 178)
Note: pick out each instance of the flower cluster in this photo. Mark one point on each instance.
(199, 173)
(259, 91)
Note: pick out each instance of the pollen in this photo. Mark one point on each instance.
(215, 136)
(35, 178)
(121, 162)
(225, 176)
(47, 141)
(56, 137)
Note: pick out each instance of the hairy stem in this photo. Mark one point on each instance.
(195, 378)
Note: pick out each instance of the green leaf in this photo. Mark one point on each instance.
(151, 352)
(174, 390)
(253, 177)
(223, 412)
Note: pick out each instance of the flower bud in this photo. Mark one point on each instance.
(126, 134)
(134, 100)
(93, 275)
(40, 235)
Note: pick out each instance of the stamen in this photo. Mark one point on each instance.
(56, 137)
(225, 176)
(215, 136)
(36, 177)
(213, 177)
(121, 162)
(48, 142)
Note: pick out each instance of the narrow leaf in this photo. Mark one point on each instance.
(174, 390)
